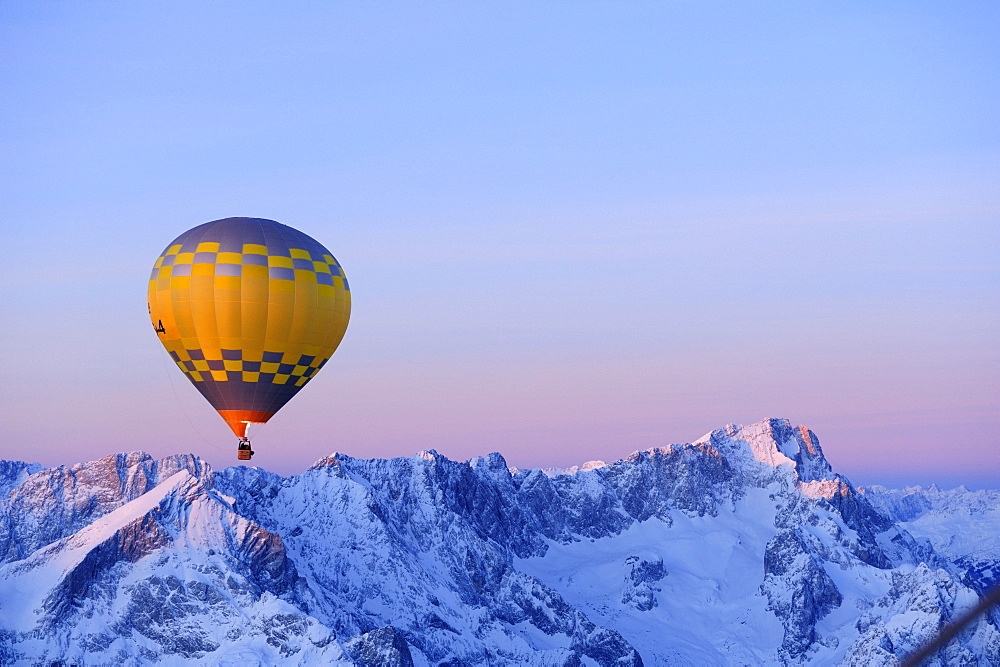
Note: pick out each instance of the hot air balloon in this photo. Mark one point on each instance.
(250, 310)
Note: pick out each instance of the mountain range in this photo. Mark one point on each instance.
(743, 547)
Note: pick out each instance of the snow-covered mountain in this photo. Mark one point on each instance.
(743, 547)
(961, 525)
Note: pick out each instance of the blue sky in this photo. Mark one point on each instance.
(572, 230)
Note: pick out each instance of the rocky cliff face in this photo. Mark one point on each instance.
(741, 548)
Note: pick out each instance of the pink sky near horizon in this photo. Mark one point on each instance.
(572, 230)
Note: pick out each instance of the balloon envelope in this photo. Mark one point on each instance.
(250, 310)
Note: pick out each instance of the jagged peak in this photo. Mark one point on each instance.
(774, 442)
(181, 484)
(586, 467)
(771, 441)
(326, 461)
(114, 478)
(166, 466)
(492, 461)
(71, 549)
(824, 488)
(19, 466)
(700, 446)
(420, 553)
(12, 473)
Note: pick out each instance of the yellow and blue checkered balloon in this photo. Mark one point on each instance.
(250, 310)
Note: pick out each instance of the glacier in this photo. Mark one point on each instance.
(743, 547)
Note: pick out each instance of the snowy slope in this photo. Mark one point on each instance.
(743, 547)
(172, 574)
(684, 591)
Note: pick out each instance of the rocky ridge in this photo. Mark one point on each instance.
(746, 533)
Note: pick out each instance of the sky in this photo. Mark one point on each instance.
(572, 230)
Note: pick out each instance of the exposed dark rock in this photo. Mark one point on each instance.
(384, 647)
(426, 559)
(640, 589)
(799, 590)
